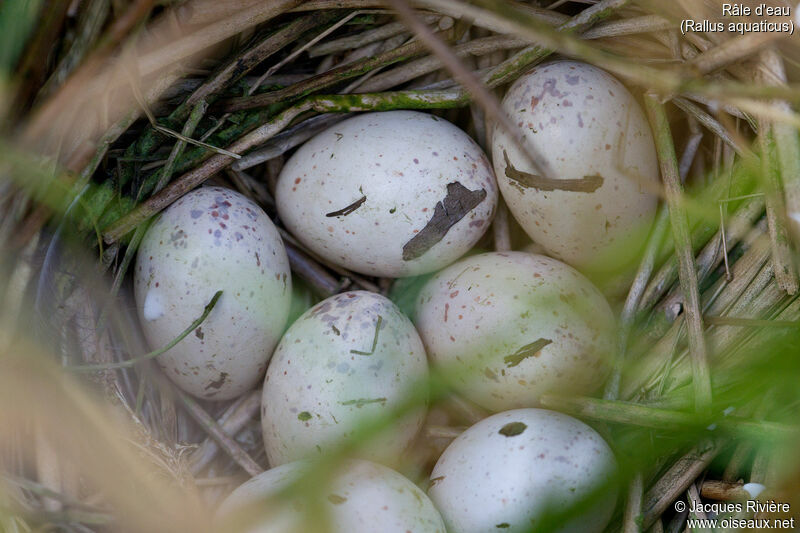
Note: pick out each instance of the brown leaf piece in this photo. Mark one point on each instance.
(526, 180)
(458, 202)
(529, 350)
(218, 383)
(512, 429)
(349, 209)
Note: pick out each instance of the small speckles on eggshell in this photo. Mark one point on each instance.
(577, 109)
(512, 467)
(186, 262)
(520, 316)
(362, 214)
(354, 355)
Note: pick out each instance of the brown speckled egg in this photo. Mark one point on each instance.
(509, 471)
(363, 497)
(390, 194)
(351, 357)
(595, 210)
(213, 239)
(506, 328)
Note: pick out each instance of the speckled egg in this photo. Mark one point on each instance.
(390, 194)
(350, 358)
(213, 239)
(510, 471)
(507, 328)
(364, 497)
(595, 209)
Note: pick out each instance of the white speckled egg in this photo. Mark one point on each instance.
(213, 239)
(364, 497)
(391, 194)
(595, 212)
(351, 357)
(510, 327)
(511, 470)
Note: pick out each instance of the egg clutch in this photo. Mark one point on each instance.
(401, 194)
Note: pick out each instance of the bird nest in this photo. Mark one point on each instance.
(114, 111)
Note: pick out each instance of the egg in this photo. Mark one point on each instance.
(508, 327)
(350, 358)
(595, 208)
(513, 470)
(389, 194)
(363, 497)
(213, 239)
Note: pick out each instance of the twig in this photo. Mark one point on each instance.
(635, 414)
(750, 322)
(668, 273)
(689, 153)
(730, 343)
(90, 25)
(682, 474)
(787, 140)
(195, 142)
(212, 33)
(628, 26)
(224, 440)
(320, 280)
(732, 50)
(687, 274)
(693, 497)
(33, 66)
(350, 276)
(509, 69)
(326, 79)
(787, 145)
(362, 39)
(120, 28)
(239, 66)
(119, 276)
(709, 122)
(751, 275)
(420, 67)
(234, 420)
(710, 257)
(736, 464)
(500, 228)
(285, 141)
(785, 271)
(453, 9)
(274, 68)
(252, 188)
(198, 111)
(632, 517)
(635, 293)
(745, 270)
(723, 491)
